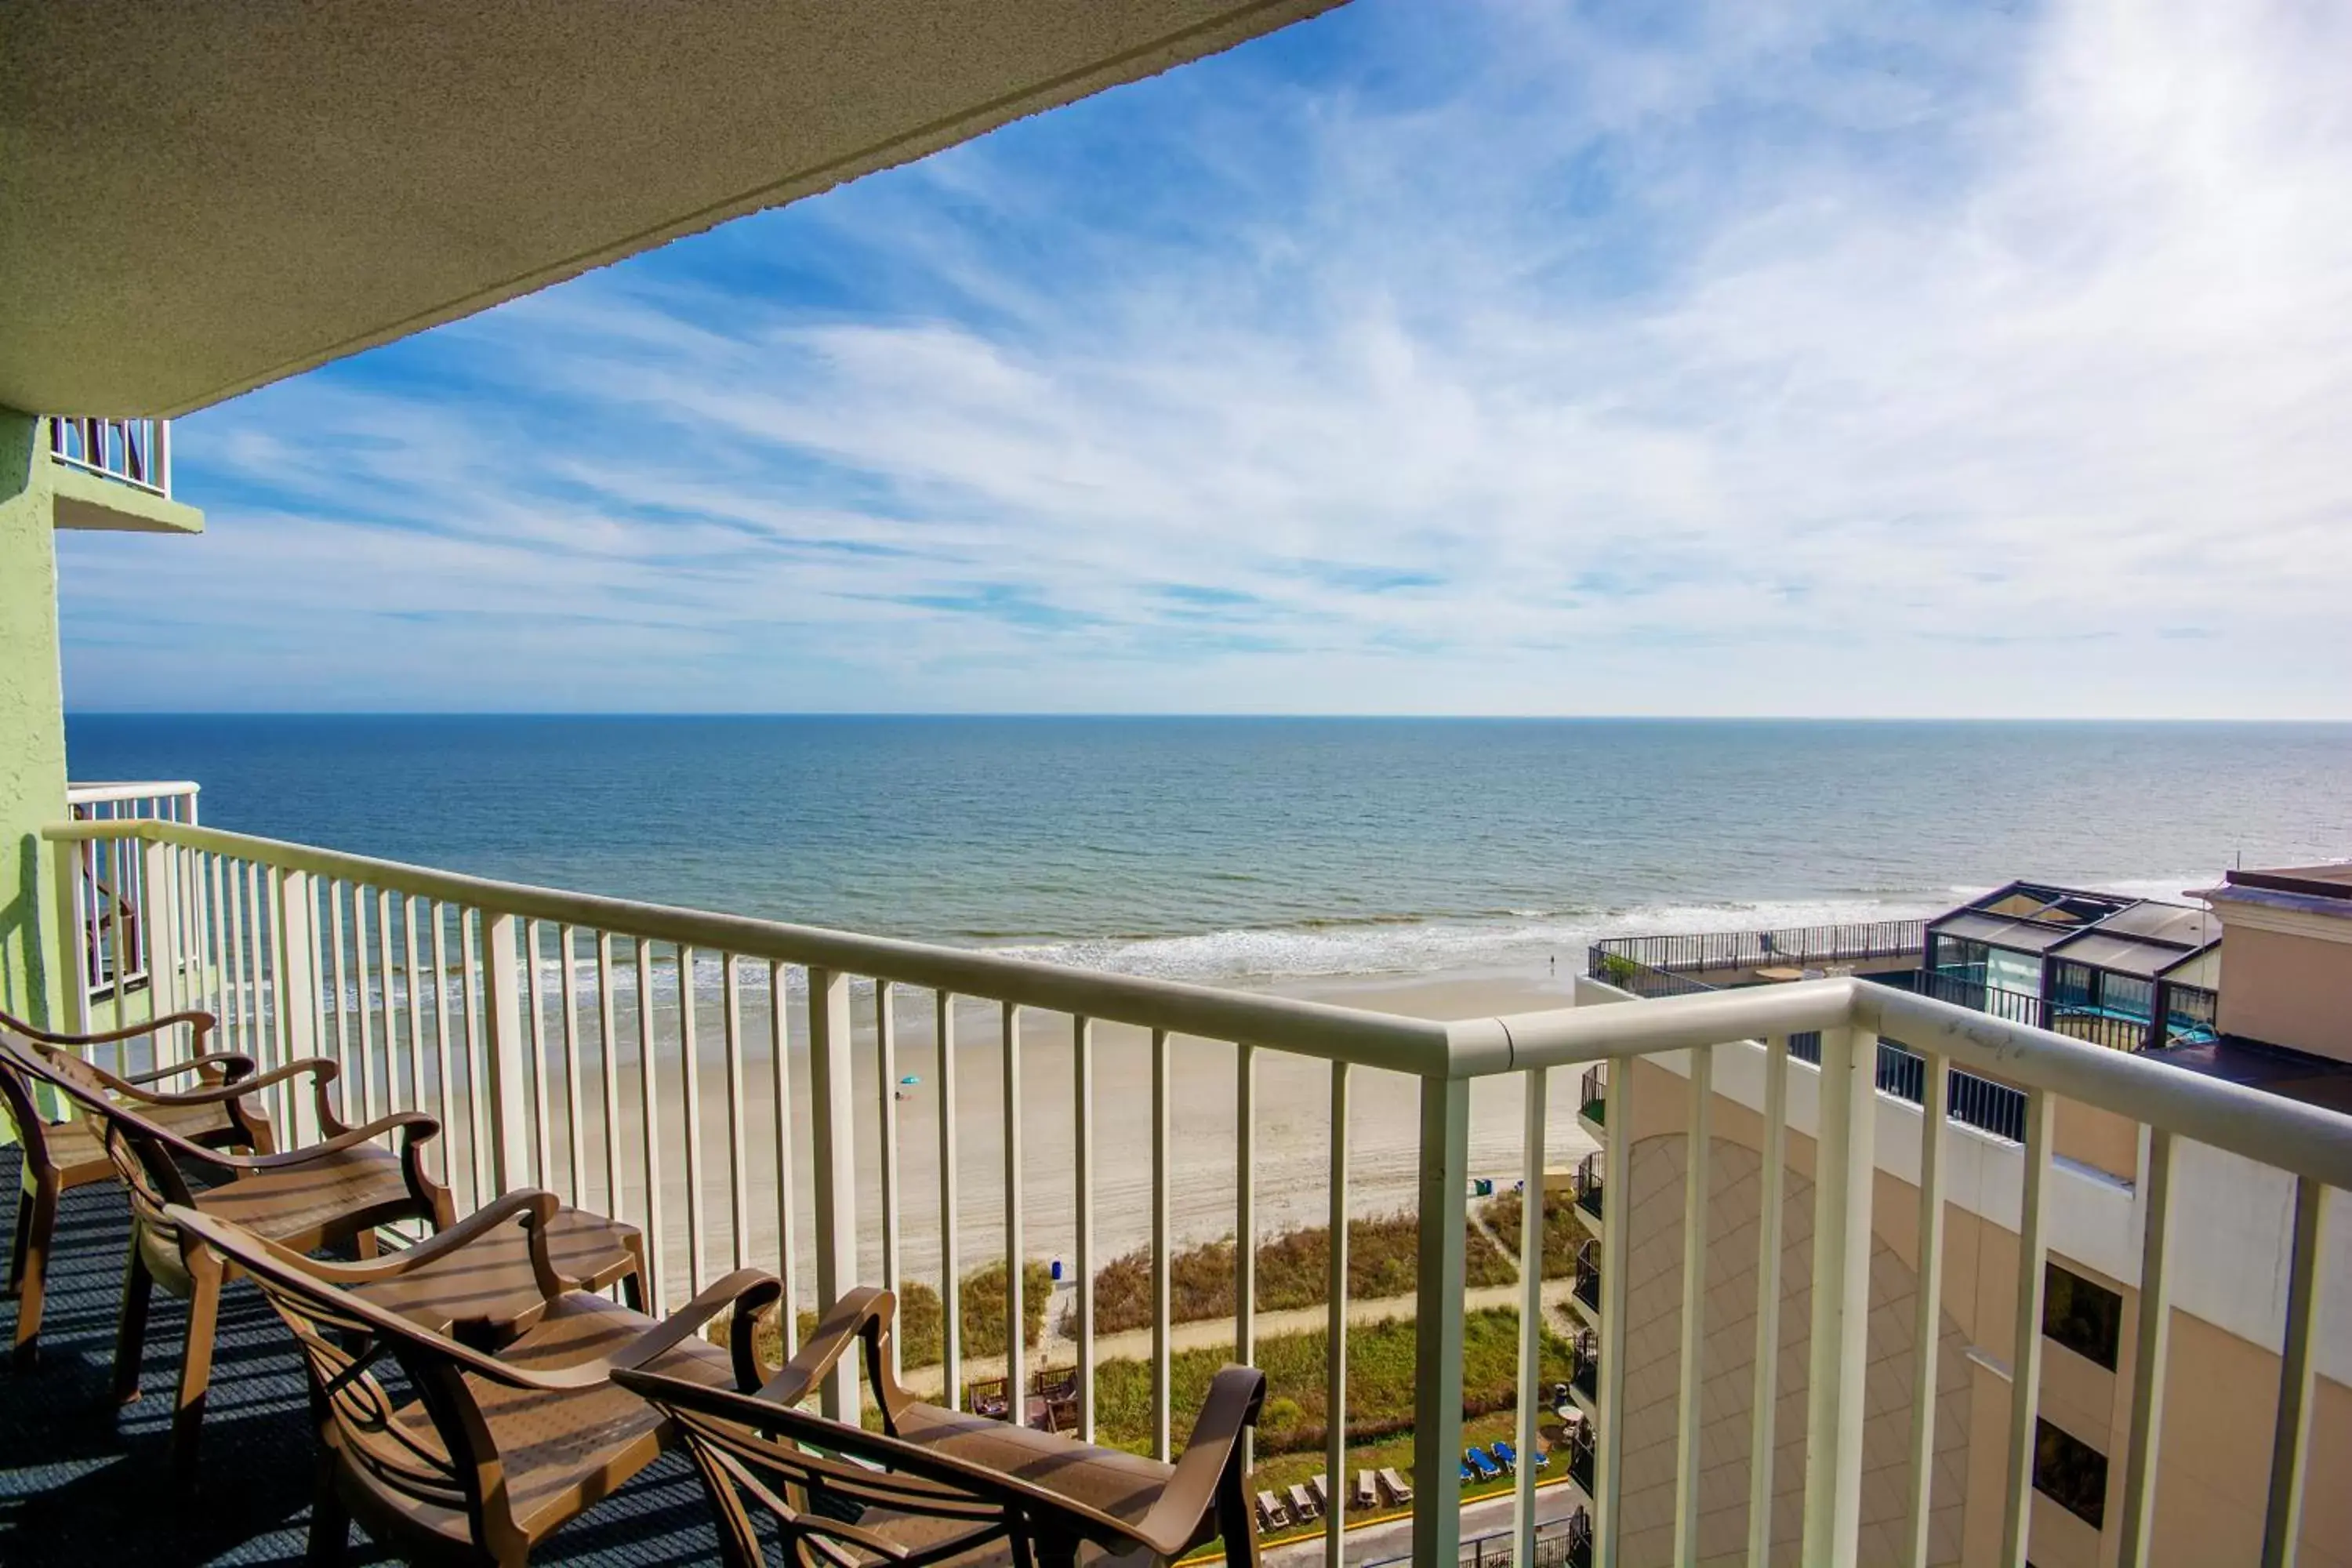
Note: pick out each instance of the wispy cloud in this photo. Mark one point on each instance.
(1429, 358)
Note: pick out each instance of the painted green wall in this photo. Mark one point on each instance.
(32, 720)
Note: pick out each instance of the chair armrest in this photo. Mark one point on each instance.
(202, 1022)
(325, 1070)
(538, 1204)
(1173, 1523)
(689, 1318)
(865, 1313)
(415, 1126)
(233, 1066)
(654, 1342)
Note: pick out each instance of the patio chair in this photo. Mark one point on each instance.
(1321, 1487)
(1271, 1513)
(332, 1193)
(1477, 1461)
(494, 1451)
(1399, 1493)
(936, 1483)
(1368, 1495)
(1302, 1505)
(60, 1155)
(1505, 1455)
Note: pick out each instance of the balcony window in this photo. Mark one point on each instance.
(2070, 1473)
(2073, 985)
(2128, 995)
(2085, 1318)
(1956, 957)
(2006, 970)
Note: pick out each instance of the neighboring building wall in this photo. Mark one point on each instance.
(2288, 988)
(32, 720)
(1653, 1363)
(2214, 1454)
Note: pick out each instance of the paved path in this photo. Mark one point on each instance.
(1393, 1537)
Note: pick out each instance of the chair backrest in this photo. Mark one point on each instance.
(801, 1467)
(23, 1111)
(341, 1335)
(139, 1148)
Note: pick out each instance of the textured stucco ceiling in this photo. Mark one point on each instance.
(197, 198)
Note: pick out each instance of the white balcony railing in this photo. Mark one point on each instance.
(654, 1083)
(135, 451)
(110, 877)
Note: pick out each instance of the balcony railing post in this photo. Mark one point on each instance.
(831, 1112)
(297, 1017)
(1438, 1322)
(159, 931)
(503, 1063)
(1844, 1169)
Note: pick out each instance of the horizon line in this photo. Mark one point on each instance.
(751, 714)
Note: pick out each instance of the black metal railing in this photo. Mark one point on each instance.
(1589, 1185)
(1579, 1540)
(1588, 1275)
(2184, 1009)
(1592, 1099)
(1644, 980)
(1580, 1458)
(1586, 1377)
(1799, 945)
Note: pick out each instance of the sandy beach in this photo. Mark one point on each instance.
(1292, 1163)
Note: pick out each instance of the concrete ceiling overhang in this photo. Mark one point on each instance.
(196, 198)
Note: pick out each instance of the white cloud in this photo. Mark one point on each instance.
(1798, 362)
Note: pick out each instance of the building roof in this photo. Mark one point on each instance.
(2142, 937)
(2297, 1075)
(200, 199)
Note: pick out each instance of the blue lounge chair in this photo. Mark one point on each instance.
(1487, 1468)
(1466, 1477)
(1507, 1457)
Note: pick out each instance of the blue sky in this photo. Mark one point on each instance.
(1433, 356)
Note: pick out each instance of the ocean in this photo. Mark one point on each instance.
(1261, 850)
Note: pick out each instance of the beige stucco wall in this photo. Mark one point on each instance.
(1653, 1298)
(2214, 1451)
(2289, 989)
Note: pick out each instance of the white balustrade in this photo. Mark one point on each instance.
(134, 451)
(439, 991)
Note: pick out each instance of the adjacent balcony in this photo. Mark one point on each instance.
(130, 451)
(1589, 1182)
(114, 475)
(654, 1062)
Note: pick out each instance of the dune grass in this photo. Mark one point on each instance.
(922, 1325)
(1293, 1270)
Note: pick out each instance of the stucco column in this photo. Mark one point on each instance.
(32, 720)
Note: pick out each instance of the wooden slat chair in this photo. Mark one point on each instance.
(332, 1193)
(938, 1484)
(62, 1155)
(498, 1449)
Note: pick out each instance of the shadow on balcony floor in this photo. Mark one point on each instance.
(84, 1483)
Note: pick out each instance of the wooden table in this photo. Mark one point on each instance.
(485, 1292)
(1779, 974)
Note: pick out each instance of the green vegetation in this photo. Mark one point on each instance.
(1294, 1419)
(1564, 1228)
(922, 1323)
(1618, 970)
(1293, 1270)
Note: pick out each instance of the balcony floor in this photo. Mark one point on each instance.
(81, 1482)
